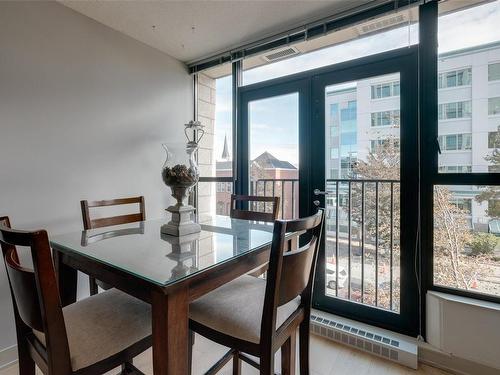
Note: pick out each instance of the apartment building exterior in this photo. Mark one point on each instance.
(361, 116)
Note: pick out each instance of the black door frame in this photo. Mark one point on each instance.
(312, 159)
(268, 90)
(405, 63)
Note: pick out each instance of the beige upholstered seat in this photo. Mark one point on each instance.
(103, 325)
(235, 308)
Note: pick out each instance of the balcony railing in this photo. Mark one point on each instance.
(362, 236)
(362, 241)
(286, 188)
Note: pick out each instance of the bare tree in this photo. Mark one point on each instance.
(452, 265)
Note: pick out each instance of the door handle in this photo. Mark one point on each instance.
(320, 192)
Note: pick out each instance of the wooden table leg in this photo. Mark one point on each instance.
(170, 332)
(66, 279)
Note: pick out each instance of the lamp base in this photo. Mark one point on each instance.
(181, 223)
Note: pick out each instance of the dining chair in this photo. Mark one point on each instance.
(257, 317)
(91, 336)
(256, 212)
(253, 202)
(89, 223)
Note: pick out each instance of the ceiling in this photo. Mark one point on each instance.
(192, 30)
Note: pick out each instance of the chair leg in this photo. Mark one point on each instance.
(128, 367)
(93, 286)
(267, 364)
(26, 363)
(304, 347)
(236, 363)
(190, 351)
(288, 355)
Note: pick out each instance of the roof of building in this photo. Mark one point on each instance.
(265, 160)
(469, 50)
(268, 161)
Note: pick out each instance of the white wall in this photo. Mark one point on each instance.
(464, 328)
(83, 113)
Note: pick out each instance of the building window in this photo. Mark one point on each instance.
(455, 110)
(377, 144)
(385, 90)
(493, 168)
(494, 106)
(220, 208)
(494, 72)
(455, 169)
(349, 113)
(334, 153)
(463, 204)
(462, 77)
(455, 142)
(386, 118)
(494, 139)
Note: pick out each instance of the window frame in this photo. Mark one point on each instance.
(429, 151)
(490, 64)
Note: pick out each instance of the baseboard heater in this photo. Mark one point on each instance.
(394, 347)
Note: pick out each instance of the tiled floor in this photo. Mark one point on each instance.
(327, 358)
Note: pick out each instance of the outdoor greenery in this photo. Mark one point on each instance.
(483, 243)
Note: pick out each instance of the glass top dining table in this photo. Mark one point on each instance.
(141, 250)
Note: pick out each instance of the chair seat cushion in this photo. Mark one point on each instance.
(103, 325)
(235, 308)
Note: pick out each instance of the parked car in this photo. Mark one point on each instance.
(330, 276)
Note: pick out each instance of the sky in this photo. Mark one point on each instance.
(274, 122)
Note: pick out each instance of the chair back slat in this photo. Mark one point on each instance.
(116, 220)
(251, 214)
(89, 223)
(24, 291)
(297, 265)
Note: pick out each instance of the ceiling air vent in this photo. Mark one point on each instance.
(281, 54)
(382, 23)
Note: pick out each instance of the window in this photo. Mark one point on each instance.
(494, 106)
(464, 250)
(454, 110)
(465, 259)
(326, 50)
(386, 118)
(454, 78)
(376, 144)
(494, 71)
(385, 90)
(455, 142)
(214, 96)
(494, 139)
(349, 113)
(455, 169)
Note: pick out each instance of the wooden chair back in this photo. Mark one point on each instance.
(291, 273)
(35, 294)
(89, 223)
(253, 214)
